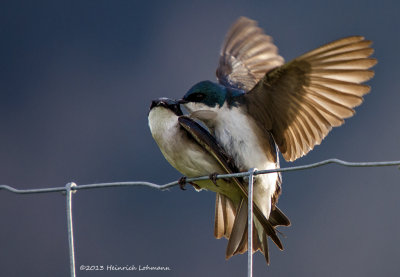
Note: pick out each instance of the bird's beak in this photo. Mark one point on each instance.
(154, 103)
(160, 102)
(181, 101)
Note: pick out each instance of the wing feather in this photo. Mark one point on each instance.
(246, 55)
(301, 101)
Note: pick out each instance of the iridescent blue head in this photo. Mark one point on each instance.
(210, 94)
(206, 92)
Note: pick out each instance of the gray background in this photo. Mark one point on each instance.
(76, 81)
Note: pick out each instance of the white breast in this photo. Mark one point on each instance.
(186, 156)
(183, 153)
(237, 133)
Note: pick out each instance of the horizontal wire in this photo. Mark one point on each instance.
(225, 176)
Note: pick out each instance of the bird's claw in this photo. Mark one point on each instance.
(182, 182)
(213, 178)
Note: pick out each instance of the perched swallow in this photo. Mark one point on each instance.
(260, 104)
(194, 152)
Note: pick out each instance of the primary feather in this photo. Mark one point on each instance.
(302, 100)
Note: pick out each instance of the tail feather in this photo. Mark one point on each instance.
(238, 229)
(265, 247)
(237, 243)
(278, 218)
(243, 243)
(262, 237)
(225, 213)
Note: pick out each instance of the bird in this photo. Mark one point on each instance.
(194, 152)
(261, 105)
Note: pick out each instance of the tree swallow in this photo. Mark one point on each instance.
(194, 152)
(260, 104)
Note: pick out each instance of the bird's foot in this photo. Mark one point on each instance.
(213, 178)
(182, 182)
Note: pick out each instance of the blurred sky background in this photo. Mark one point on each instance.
(76, 82)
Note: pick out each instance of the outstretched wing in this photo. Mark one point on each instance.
(246, 55)
(302, 100)
(209, 143)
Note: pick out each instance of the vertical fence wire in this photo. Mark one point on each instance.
(69, 192)
(250, 225)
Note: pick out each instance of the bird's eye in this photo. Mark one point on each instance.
(196, 97)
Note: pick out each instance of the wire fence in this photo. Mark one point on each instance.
(71, 188)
